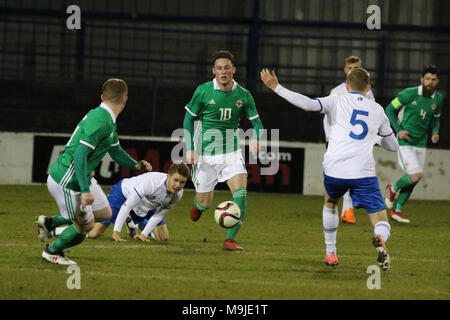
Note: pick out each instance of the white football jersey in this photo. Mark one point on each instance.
(151, 187)
(355, 123)
(340, 89)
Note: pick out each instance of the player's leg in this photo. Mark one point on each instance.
(68, 202)
(98, 229)
(347, 215)
(204, 178)
(330, 223)
(238, 187)
(234, 172)
(403, 197)
(101, 208)
(47, 225)
(405, 185)
(335, 188)
(366, 193)
(161, 232)
(382, 233)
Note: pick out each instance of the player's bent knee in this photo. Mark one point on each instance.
(103, 214)
(85, 227)
(330, 202)
(417, 177)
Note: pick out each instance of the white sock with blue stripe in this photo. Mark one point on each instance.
(383, 229)
(330, 219)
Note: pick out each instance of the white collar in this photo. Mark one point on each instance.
(216, 85)
(420, 92)
(107, 108)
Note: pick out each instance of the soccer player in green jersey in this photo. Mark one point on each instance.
(412, 113)
(216, 155)
(79, 197)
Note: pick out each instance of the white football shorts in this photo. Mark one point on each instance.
(219, 168)
(69, 201)
(411, 159)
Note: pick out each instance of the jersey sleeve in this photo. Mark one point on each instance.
(250, 108)
(327, 104)
(195, 106)
(385, 127)
(93, 132)
(403, 98)
(115, 141)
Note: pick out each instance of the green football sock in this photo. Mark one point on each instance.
(70, 237)
(404, 195)
(240, 198)
(198, 205)
(402, 183)
(59, 220)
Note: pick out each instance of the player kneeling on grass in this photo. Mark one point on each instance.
(356, 124)
(142, 202)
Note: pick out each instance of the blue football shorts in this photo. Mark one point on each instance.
(365, 192)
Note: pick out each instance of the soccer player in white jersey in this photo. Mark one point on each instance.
(147, 197)
(356, 124)
(352, 62)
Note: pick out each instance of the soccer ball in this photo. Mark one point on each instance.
(227, 214)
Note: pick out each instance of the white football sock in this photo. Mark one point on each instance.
(330, 219)
(383, 229)
(347, 202)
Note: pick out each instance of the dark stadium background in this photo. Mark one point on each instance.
(51, 76)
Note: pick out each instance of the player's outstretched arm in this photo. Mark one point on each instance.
(270, 79)
(390, 143)
(125, 209)
(151, 224)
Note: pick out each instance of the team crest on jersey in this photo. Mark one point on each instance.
(433, 107)
(239, 103)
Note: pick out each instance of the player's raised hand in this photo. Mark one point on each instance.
(435, 137)
(143, 165)
(141, 237)
(117, 237)
(270, 79)
(404, 135)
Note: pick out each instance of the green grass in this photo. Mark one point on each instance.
(283, 242)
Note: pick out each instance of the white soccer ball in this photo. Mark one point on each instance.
(227, 214)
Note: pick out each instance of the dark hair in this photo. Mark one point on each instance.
(222, 54)
(430, 69)
(180, 168)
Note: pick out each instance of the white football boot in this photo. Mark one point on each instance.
(58, 258)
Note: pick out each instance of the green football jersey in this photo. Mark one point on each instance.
(219, 113)
(416, 114)
(98, 131)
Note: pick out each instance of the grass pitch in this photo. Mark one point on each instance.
(283, 257)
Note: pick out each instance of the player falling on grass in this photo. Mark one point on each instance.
(355, 123)
(219, 105)
(79, 197)
(352, 62)
(412, 113)
(146, 198)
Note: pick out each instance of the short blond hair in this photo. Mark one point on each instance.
(114, 90)
(358, 79)
(352, 59)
